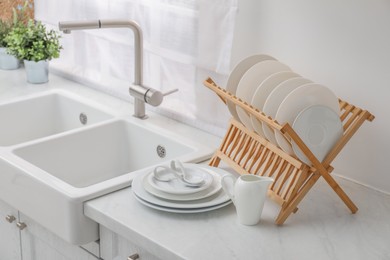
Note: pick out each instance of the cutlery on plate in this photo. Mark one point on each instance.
(177, 171)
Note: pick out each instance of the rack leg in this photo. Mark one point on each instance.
(292, 205)
(340, 192)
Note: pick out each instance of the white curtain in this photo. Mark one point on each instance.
(185, 41)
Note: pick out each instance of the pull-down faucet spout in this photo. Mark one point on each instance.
(140, 93)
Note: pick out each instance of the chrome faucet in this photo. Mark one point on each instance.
(141, 93)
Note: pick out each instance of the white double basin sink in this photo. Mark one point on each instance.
(58, 150)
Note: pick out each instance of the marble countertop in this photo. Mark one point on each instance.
(323, 228)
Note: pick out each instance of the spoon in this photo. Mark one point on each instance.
(166, 174)
(189, 179)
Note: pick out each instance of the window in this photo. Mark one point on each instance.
(184, 42)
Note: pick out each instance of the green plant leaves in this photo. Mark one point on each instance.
(5, 28)
(33, 42)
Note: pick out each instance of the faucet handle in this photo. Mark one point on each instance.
(149, 95)
(155, 97)
(170, 92)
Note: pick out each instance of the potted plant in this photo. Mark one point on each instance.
(7, 61)
(19, 16)
(36, 45)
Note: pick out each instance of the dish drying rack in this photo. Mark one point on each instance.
(249, 153)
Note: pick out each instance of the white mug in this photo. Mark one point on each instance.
(248, 196)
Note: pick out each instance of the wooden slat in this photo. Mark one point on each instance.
(290, 186)
(354, 114)
(347, 110)
(365, 115)
(229, 138)
(237, 101)
(294, 161)
(255, 158)
(251, 152)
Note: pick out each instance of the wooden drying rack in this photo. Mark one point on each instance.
(249, 153)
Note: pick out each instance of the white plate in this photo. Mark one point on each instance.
(176, 186)
(276, 97)
(319, 128)
(236, 75)
(262, 92)
(299, 99)
(214, 188)
(251, 81)
(213, 200)
(185, 211)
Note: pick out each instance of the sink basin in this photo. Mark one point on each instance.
(102, 153)
(50, 178)
(43, 115)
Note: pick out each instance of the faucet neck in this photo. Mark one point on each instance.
(69, 26)
(137, 90)
(139, 103)
(138, 44)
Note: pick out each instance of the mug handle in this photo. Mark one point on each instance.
(229, 189)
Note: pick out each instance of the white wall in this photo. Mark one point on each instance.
(344, 45)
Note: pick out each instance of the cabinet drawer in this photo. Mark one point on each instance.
(115, 247)
(9, 233)
(38, 243)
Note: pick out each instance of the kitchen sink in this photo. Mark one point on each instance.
(90, 157)
(51, 163)
(43, 115)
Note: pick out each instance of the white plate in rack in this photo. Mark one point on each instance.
(251, 81)
(276, 97)
(299, 99)
(320, 128)
(236, 75)
(263, 91)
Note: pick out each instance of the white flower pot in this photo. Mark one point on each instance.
(37, 72)
(7, 61)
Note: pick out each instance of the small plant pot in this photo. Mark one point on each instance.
(37, 72)
(7, 61)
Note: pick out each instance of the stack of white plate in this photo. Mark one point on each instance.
(311, 109)
(175, 196)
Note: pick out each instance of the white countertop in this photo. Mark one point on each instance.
(323, 227)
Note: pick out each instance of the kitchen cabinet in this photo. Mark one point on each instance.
(9, 233)
(115, 247)
(21, 238)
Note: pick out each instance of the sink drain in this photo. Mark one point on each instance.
(161, 152)
(83, 118)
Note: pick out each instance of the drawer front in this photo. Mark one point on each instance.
(40, 244)
(9, 233)
(115, 247)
